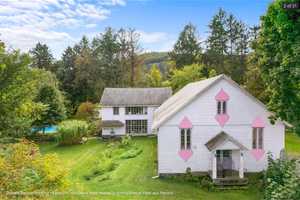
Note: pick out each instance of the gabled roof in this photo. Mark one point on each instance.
(220, 139)
(187, 94)
(135, 96)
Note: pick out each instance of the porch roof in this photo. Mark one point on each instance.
(112, 123)
(220, 139)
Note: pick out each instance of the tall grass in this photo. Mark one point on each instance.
(72, 132)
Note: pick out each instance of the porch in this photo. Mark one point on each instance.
(227, 160)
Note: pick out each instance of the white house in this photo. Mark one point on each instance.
(215, 126)
(130, 110)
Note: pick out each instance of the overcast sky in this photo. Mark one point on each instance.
(61, 23)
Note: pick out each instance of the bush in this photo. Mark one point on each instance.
(188, 176)
(23, 168)
(86, 111)
(131, 153)
(281, 180)
(207, 183)
(72, 132)
(126, 141)
(103, 166)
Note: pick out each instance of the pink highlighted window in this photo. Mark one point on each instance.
(185, 139)
(257, 137)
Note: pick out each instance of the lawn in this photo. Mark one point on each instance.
(132, 175)
(292, 144)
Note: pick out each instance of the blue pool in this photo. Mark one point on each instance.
(48, 129)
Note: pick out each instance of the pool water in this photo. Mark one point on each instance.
(48, 129)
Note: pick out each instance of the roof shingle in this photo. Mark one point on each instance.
(134, 96)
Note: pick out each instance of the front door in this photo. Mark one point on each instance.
(224, 163)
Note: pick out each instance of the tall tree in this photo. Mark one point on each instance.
(134, 50)
(187, 49)
(42, 57)
(17, 91)
(278, 51)
(227, 45)
(217, 41)
(106, 48)
(253, 76)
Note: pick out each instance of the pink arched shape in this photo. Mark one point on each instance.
(185, 123)
(257, 153)
(185, 154)
(258, 123)
(222, 96)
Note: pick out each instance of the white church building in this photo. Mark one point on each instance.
(217, 127)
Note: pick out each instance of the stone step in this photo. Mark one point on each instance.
(230, 181)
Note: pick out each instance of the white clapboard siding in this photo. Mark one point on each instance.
(241, 109)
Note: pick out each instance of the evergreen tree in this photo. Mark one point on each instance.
(187, 49)
(55, 111)
(217, 42)
(42, 57)
(106, 48)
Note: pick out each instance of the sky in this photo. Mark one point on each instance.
(62, 23)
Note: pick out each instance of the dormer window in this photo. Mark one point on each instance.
(221, 107)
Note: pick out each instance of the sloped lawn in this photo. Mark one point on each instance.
(131, 175)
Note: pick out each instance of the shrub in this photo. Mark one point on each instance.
(72, 132)
(86, 111)
(103, 166)
(207, 183)
(188, 176)
(126, 141)
(281, 180)
(131, 153)
(23, 168)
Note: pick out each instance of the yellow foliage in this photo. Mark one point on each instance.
(23, 168)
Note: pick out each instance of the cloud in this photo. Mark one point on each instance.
(25, 22)
(91, 25)
(152, 37)
(157, 41)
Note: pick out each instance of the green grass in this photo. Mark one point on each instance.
(292, 144)
(132, 175)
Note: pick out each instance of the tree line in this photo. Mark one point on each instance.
(264, 59)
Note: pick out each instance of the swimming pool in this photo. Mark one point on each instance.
(48, 129)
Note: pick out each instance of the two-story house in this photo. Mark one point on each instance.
(130, 110)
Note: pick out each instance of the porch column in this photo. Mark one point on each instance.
(214, 165)
(241, 169)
